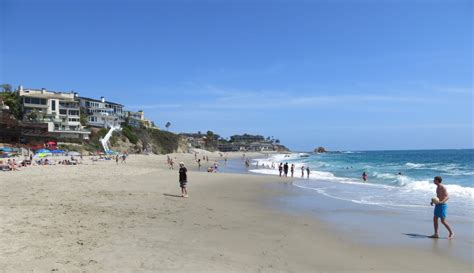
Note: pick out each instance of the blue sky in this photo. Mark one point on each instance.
(352, 75)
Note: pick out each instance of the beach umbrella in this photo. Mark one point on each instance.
(58, 152)
(42, 151)
(6, 149)
(41, 155)
(51, 143)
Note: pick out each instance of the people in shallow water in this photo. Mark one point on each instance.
(302, 171)
(307, 172)
(365, 177)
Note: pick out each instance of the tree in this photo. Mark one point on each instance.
(83, 119)
(33, 115)
(12, 100)
(277, 141)
(167, 125)
(210, 139)
(7, 88)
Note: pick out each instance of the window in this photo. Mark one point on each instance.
(35, 101)
(26, 100)
(53, 105)
(62, 111)
(74, 112)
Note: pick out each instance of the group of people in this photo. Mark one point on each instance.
(284, 168)
(213, 168)
(14, 165)
(122, 157)
(10, 165)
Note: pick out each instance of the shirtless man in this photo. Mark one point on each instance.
(441, 208)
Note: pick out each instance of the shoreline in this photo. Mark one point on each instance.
(382, 226)
(104, 217)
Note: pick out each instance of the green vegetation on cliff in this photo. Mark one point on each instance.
(12, 99)
(136, 140)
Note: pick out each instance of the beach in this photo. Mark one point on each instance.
(130, 217)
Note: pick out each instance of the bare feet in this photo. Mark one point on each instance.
(451, 236)
(434, 236)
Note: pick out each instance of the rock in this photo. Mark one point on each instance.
(320, 150)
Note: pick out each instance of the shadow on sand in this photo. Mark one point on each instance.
(420, 236)
(172, 195)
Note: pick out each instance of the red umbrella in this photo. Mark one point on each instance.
(51, 143)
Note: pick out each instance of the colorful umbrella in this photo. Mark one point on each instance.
(43, 151)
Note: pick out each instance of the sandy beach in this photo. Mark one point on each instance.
(104, 217)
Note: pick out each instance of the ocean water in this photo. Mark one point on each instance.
(338, 175)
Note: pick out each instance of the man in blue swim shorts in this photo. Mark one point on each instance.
(441, 208)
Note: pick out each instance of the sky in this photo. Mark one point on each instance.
(346, 75)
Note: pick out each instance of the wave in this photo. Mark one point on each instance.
(453, 190)
(365, 201)
(385, 175)
(414, 165)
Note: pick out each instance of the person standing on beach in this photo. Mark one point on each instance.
(285, 169)
(183, 179)
(441, 208)
(302, 171)
(292, 170)
(116, 159)
(307, 172)
(199, 163)
(280, 168)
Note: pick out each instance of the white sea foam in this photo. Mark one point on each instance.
(453, 190)
(414, 165)
(385, 175)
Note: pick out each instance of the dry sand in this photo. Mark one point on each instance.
(129, 218)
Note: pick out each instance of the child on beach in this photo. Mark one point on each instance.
(441, 208)
(183, 179)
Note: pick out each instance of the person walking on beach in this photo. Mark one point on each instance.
(292, 170)
(183, 179)
(307, 172)
(280, 168)
(441, 208)
(116, 159)
(199, 163)
(285, 169)
(302, 171)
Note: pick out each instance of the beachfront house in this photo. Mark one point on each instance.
(102, 113)
(59, 110)
(195, 140)
(261, 147)
(137, 119)
(246, 138)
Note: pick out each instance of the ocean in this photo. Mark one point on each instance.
(401, 180)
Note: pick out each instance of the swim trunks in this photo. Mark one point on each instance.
(441, 210)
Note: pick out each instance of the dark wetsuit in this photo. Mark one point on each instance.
(183, 177)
